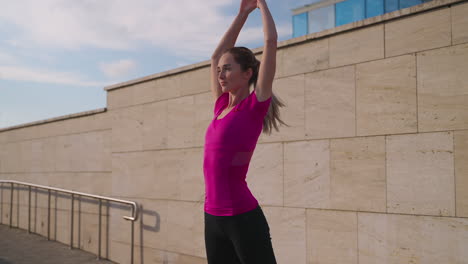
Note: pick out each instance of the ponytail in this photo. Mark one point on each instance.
(247, 59)
(272, 117)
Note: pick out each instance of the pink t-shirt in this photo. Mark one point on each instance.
(229, 146)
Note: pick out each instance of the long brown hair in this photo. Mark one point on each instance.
(247, 60)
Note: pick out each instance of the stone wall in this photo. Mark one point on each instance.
(373, 168)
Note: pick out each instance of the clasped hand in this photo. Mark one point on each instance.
(250, 5)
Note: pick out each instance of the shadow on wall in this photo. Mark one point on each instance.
(39, 199)
(2, 261)
(152, 227)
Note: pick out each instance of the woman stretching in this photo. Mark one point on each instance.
(236, 230)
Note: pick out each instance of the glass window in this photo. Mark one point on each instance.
(374, 8)
(349, 11)
(391, 5)
(408, 3)
(321, 19)
(300, 25)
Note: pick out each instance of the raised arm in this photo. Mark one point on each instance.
(266, 73)
(228, 41)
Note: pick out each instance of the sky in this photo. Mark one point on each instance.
(56, 56)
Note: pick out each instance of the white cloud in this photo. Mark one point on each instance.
(117, 69)
(255, 34)
(18, 73)
(185, 26)
(6, 58)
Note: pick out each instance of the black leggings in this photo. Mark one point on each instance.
(238, 239)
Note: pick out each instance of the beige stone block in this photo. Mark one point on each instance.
(72, 125)
(82, 124)
(168, 87)
(461, 172)
(37, 155)
(18, 134)
(415, 33)
(389, 239)
(172, 174)
(48, 156)
(191, 179)
(304, 58)
(181, 122)
(127, 132)
(9, 135)
(185, 227)
(135, 94)
(357, 174)
(119, 98)
(330, 103)
(84, 152)
(420, 174)
(50, 129)
(442, 90)
(357, 46)
(140, 128)
(166, 174)
(3, 138)
(204, 105)
(195, 81)
(64, 150)
(307, 174)
(279, 61)
(331, 237)
(12, 159)
(386, 96)
(287, 232)
(144, 92)
(100, 121)
(97, 151)
(290, 91)
(459, 23)
(25, 156)
(265, 175)
(3, 155)
(154, 125)
(135, 175)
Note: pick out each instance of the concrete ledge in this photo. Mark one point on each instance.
(54, 119)
(295, 41)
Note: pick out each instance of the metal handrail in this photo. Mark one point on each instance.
(132, 218)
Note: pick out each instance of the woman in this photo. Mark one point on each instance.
(236, 230)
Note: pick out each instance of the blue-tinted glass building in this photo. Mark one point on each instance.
(327, 14)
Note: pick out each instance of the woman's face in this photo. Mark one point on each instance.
(230, 75)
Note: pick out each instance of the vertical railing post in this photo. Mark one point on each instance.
(29, 209)
(71, 224)
(99, 235)
(11, 205)
(48, 216)
(133, 228)
(1, 203)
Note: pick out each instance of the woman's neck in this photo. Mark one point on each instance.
(237, 96)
